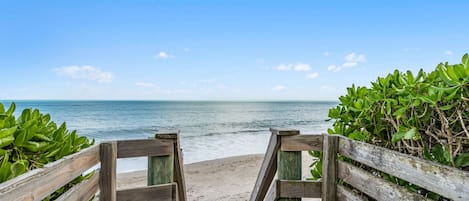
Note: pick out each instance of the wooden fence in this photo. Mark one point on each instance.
(283, 158)
(165, 173)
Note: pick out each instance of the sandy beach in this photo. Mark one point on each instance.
(226, 179)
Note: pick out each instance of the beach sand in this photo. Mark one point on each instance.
(226, 179)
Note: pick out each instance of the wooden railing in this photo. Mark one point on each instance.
(165, 173)
(285, 148)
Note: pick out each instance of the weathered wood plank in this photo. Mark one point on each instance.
(163, 192)
(160, 169)
(273, 193)
(299, 189)
(302, 143)
(83, 191)
(329, 168)
(374, 186)
(289, 168)
(284, 131)
(444, 180)
(345, 194)
(267, 171)
(179, 169)
(143, 147)
(39, 183)
(107, 178)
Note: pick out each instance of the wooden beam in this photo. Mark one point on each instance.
(143, 147)
(284, 131)
(269, 165)
(374, 186)
(107, 178)
(329, 168)
(178, 172)
(160, 169)
(299, 189)
(289, 166)
(83, 191)
(302, 143)
(444, 180)
(163, 192)
(39, 183)
(346, 194)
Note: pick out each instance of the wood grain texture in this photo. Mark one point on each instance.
(329, 168)
(39, 183)
(143, 147)
(267, 171)
(283, 131)
(346, 194)
(179, 170)
(299, 189)
(374, 186)
(444, 180)
(302, 143)
(160, 169)
(289, 168)
(273, 193)
(83, 191)
(107, 178)
(163, 192)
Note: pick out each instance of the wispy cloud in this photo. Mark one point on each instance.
(279, 88)
(186, 49)
(312, 75)
(352, 60)
(163, 55)
(326, 54)
(295, 67)
(449, 52)
(334, 68)
(85, 72)
(145, 84)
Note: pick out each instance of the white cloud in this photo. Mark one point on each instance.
(312, 75)
(163, 55)
(334, 68)
(449, 52)
(326, 54)
(302, 67)
(279, 88)
(187, 49)
(85, 72)
(284, 67)
(295, 67)
(145, 84)
(352, 60)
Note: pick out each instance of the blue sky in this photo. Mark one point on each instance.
(219, 50)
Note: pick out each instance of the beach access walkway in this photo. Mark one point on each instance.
(279, 176)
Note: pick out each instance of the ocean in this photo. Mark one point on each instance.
(208, 129)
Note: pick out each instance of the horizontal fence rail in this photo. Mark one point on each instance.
(39, 183)
(445, 180)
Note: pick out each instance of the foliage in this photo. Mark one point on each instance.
(32, 140)
(424, 115)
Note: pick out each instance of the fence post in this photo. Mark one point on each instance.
(288, 162)
(329, 168)
(107, 177)
(160, 168)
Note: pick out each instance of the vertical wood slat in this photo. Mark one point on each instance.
(289, 168)
(160, 169)
(329, 168)
(107, 178)
(179, 170)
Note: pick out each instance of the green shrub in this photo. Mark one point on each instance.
(32, 140)
(424, 115)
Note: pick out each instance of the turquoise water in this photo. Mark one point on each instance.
(209, 130)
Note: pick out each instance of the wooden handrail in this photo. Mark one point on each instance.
(39, 183)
